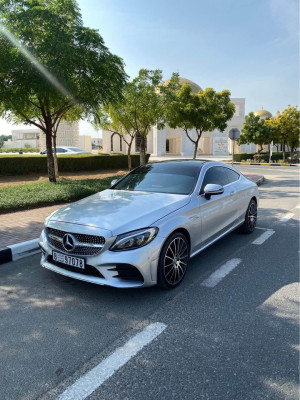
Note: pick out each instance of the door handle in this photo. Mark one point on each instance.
(232, 193)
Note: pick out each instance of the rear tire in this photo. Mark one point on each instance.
(250, 218)
(173, 261)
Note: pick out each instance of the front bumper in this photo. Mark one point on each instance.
(141, 263)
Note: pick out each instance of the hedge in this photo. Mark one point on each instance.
(24, 149)
(263, 156)
(27, 164)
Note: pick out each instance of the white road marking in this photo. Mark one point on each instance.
(263, 237)
(286, 217)
(297, 206)
(220, 273)
(265, 229)
(89, 382)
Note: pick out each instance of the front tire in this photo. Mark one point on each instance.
(250, 218)
(173, 261)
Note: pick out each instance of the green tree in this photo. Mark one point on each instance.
(115, 119)
(255, 130)
(4, 138)
(290, 127)
(285, 128)
(52, 67)
(202, 112)
(142, 106)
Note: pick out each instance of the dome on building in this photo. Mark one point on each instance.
(263, 114)
(193, 85)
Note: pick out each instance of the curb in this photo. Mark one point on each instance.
(25, 249)
(16, 251)
(264, 164)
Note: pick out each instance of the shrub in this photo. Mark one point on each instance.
(261, 157)
(243, 156)
(27, 164)
(17, 149)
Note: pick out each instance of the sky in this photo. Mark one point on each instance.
(250, 47)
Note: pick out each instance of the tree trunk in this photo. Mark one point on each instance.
(196, 147)
(195, 150)
(143, 151)
(55, 157)
(283, 151)
(261, 148)
(129, 157)
(50, 158)
(292, 153)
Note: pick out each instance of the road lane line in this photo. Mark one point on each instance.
(286, 217)
(263, 237)
(265, 229)
(297, 206)
(89, 382)
(220, 273)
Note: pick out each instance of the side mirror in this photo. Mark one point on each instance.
(211, 190)
(113, 182)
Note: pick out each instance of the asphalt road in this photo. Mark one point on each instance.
(236, 340)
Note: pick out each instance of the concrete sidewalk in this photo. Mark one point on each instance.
(21, 226)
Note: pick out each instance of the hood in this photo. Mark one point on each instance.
(120, 211)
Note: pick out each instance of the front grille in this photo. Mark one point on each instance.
(88, 270)
(127, 272)
(86, 245)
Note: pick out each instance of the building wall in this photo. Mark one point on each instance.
(85, 142)
(22, 137)
(67, 135)
(96, 142)
(211, 143)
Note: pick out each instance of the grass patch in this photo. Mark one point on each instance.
(32, 195)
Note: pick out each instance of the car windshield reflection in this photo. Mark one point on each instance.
(162, 178)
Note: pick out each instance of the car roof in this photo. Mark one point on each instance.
(203, 164)
(182, 162)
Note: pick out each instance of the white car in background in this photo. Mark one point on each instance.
(68, 150)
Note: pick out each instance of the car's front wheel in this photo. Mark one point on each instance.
(173, 261)
(250, 218)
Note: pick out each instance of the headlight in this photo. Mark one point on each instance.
(48, 218)
(134, 240)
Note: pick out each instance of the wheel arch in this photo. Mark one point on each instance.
(184, 232)
(254, 198)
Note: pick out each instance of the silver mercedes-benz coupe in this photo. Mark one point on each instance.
(145, 228)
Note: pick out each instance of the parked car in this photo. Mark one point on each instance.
(146, 227)
(68, 150)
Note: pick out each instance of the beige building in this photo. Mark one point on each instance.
(67, 135)
(96, 143)
(23, 137)
(85, 142)
(175, 141)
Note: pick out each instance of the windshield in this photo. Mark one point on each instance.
(170, 178)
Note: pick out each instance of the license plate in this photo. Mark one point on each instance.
(68, 260)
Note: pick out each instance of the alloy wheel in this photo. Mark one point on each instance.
(176, 260)
(252, 216)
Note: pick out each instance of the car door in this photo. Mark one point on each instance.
(217, 213)
(234, 190)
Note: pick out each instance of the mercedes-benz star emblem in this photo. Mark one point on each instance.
(69, 242)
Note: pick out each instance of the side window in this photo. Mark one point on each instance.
(60, 150)
(215, 175)
(232, 175)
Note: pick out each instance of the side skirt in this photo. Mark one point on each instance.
(217, 238)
